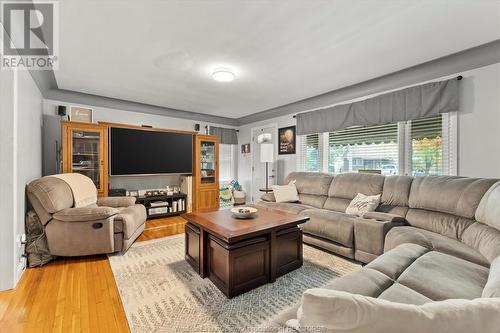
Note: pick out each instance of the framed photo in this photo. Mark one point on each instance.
(80, 113)
(245, 149)
(287, 140)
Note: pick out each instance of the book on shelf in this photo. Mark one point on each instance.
(187, 188)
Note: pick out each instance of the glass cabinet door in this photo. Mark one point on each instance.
(86, 154)
(207, 167)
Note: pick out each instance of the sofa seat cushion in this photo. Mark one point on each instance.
(440, 276)
(433, 241)
(331, 225)
(366, 282)
(288, 207)
(129, 219)
(399, 293)
(413, 274)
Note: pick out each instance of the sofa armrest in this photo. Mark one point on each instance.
(269, 197)
(384, 217)
(116, 202)
(85, 214)
(336, 311)
(369, 236)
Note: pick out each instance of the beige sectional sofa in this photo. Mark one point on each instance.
(427, 244)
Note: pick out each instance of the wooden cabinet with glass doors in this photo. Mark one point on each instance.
(206, 172)
(85, 151)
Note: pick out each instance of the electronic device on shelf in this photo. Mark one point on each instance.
(117, 192)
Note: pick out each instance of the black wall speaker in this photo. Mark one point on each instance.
(197, 127)
(61, 110)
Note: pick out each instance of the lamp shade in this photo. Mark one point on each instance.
(266, 152)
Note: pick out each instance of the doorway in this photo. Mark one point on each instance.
(263, 134)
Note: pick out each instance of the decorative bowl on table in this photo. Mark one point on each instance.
(244, 212)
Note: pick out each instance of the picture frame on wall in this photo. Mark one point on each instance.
(287, 139)
(81, 114)
(245, 148)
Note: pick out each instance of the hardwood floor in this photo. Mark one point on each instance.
(73, 294)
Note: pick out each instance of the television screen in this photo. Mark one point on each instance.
(144, 152)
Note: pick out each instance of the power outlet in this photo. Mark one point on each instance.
(21, 265)
(20, 240)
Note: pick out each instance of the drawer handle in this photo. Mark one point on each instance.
(97, 225)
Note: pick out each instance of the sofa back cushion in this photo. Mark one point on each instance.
(49, 195)
(488, 211)
(442, 223)
(312, 187)
(345, 187)
(484, 239)
(395, 195)
(492, 287)
(446, 194)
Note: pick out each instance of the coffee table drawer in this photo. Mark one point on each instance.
(239, 267)
(192, 244)
(288, 250)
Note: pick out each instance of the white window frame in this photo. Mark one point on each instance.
(450, 147)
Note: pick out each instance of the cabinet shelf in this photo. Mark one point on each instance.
(206, 188)
(85, 151)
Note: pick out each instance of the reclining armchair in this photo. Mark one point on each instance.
(103, 225)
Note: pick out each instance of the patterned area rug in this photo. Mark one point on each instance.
(162, 293)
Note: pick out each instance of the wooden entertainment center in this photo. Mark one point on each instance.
(85, 149)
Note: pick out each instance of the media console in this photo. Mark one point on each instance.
(164, 205)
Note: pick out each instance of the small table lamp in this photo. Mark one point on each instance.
(266, 156)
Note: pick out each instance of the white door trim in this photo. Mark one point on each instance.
(252, 146)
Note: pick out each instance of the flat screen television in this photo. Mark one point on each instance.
(146, 152)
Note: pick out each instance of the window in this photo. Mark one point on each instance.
(419, 147)
(427, 146)
(364, 148)
(310, 153)
(227, 162)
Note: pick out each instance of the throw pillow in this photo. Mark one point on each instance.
(362, 204)
(286, 193)
(336, 311)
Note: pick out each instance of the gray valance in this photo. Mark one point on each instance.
(417, 102)
(226, 135)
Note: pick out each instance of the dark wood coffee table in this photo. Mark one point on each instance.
(240, 255)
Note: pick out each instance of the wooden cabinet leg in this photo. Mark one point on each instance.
(203, 253)
(272, 257)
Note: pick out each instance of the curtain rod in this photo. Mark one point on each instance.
(460, 77)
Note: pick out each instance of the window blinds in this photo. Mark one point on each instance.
(310, 153)
(433, 146)
(420, 147)
(373, 148)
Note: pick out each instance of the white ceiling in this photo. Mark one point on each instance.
(282, 51)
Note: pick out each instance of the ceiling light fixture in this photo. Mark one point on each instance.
(223, 75)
